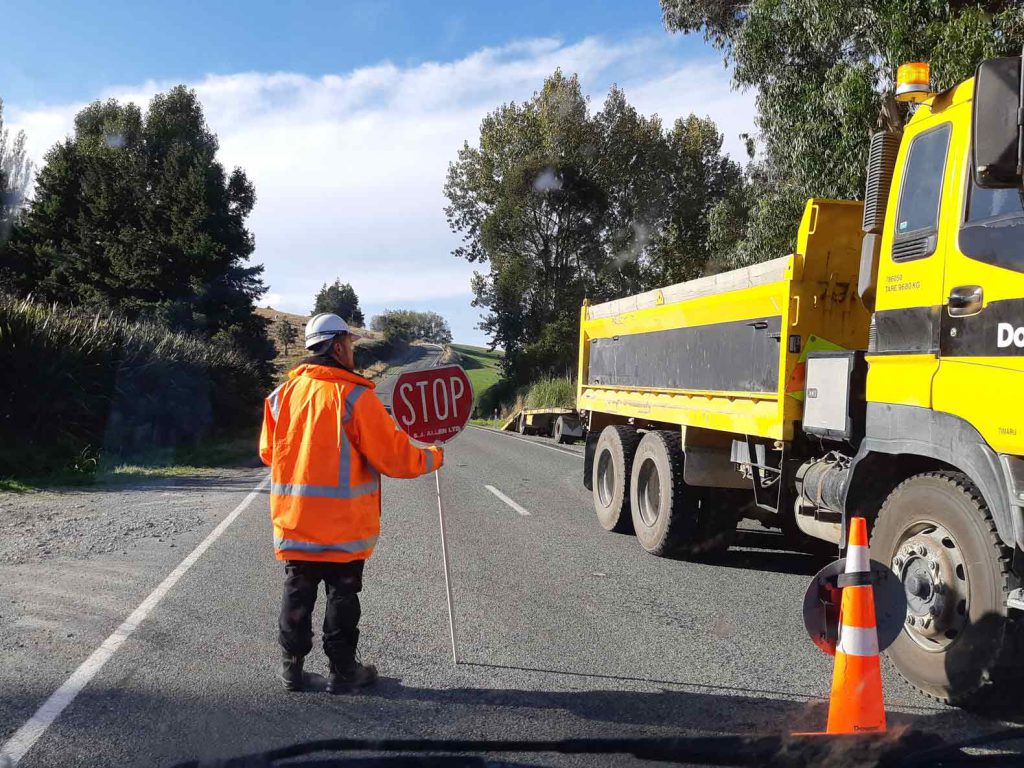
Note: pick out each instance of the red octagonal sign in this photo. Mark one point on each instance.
(433, 405)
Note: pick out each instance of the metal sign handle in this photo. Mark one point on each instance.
(447, 572)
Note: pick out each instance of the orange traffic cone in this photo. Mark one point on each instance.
(856, 703)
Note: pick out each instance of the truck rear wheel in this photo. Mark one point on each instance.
(937, 535)
(670, 516)
(613, 463)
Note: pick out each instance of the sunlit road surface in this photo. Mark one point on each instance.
(420, 356)
(565, 630)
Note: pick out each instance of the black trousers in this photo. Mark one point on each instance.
(342, 582)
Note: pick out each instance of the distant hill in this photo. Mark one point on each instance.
(296, 351)
(482, 366)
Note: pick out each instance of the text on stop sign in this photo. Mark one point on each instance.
(444, 396)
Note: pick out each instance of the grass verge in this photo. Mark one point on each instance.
(231, 452)
(492, 423)
(552, 393)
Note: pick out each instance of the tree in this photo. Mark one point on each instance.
(15, 175)
(562, 204)
(340, 299)
(822, 69)
(135, 215)
(434, 328)
(285, 333)
(407, 325)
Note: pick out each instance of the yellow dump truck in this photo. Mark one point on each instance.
(876, 371)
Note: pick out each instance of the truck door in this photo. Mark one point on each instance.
(981, 347)
(905, 335)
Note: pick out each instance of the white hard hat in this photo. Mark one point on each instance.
(323, 327)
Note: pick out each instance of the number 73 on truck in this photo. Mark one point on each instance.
(877, 371)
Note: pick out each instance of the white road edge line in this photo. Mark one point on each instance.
(507, 500)
(25, 737)
(530, 442)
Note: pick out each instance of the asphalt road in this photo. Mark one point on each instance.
(420, 356)
(565, 630)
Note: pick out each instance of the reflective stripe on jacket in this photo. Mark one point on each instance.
(327, 438)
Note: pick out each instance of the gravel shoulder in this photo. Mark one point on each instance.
(81, 523)
(75, 562)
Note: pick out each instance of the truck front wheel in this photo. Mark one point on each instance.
(937, 535)
(613, 464)
(670, 517)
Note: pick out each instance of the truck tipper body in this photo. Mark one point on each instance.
(877, 371)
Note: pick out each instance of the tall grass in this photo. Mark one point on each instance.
(74, 387)
(552, 393)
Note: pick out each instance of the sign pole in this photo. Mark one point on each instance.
(432, 405)
(447, 572)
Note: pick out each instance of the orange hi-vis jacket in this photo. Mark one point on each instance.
(327, 438)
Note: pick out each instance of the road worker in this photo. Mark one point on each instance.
(327, 439)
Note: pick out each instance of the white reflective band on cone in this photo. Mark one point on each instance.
(858, 641)
(857, 560)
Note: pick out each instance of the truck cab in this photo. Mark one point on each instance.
(949, 292)
(939, 468)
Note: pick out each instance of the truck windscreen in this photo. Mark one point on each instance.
(993, 231)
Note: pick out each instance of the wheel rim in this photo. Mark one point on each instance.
(605, 479)
(649, 493)
(935, 579)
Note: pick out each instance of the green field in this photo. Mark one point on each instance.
(482, 366)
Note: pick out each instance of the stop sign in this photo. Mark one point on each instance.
(433, 405)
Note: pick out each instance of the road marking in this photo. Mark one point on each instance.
(525, 440)
(21, 742)
(507, 500)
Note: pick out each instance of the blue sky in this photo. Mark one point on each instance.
(346, 114)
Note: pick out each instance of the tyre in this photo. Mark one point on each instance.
(670, 517)
(937, 535)
(613, 463)
(559, 433)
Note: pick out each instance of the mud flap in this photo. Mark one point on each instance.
(588, 460)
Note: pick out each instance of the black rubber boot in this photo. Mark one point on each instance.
(350, 677)
(291, 672)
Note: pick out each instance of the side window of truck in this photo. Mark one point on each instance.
(917, 216)
(993, 228)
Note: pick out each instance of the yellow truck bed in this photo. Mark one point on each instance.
(727, 352)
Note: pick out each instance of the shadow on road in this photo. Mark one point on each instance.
(180, 723)
(768, 551)
(653, 681)
(686, 711)
(765, 551)
(682, 711)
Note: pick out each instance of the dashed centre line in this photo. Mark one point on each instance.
(507, 500)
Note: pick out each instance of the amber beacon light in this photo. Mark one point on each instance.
(913, 82)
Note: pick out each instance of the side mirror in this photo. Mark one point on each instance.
(997, 118)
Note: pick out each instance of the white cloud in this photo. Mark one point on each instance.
(349, 168)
